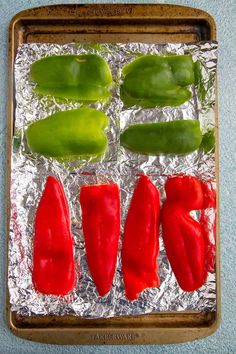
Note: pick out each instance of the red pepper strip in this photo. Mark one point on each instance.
(140, 243)
(208, 226)
(53, 260)
(182, 235)
(101, 226)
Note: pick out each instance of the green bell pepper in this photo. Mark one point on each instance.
(68, 135)
(175, 137)
(155, 81)
(85, 77)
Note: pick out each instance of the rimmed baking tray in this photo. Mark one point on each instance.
(111, 23)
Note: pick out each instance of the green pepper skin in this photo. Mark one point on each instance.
(208, 141)
(154, 81)
(69, 134)
(175, 137)
(166, 98)
(85, 77)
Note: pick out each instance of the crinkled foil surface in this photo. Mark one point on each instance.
(29, 172)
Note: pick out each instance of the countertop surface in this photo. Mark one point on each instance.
(224, 340)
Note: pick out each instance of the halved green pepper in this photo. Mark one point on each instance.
(85, 77)
(175, 137)
(69, 134)
(155, 81)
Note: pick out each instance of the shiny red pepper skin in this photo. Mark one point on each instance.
(183, 237)
(53, 259)
(140, 243)
(101, 227)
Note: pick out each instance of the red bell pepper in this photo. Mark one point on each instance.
(141, 243)
(53, 259)
(101, 227)
(184, 238)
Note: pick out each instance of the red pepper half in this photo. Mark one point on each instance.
(141, 244)
(184, 237)
(101, 227)
(53, 259)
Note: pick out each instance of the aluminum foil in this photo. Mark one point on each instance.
(29, 172)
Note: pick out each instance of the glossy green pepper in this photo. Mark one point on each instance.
(155, 81)
(85, 77)
(175, 137)
(68, 135)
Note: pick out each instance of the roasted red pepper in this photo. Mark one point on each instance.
(53, 259)
(101, 227)
(141, 243)
(184, 238)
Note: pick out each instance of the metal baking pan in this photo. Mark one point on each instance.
(111, 23)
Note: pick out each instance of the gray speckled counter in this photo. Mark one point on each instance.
(224, 341)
